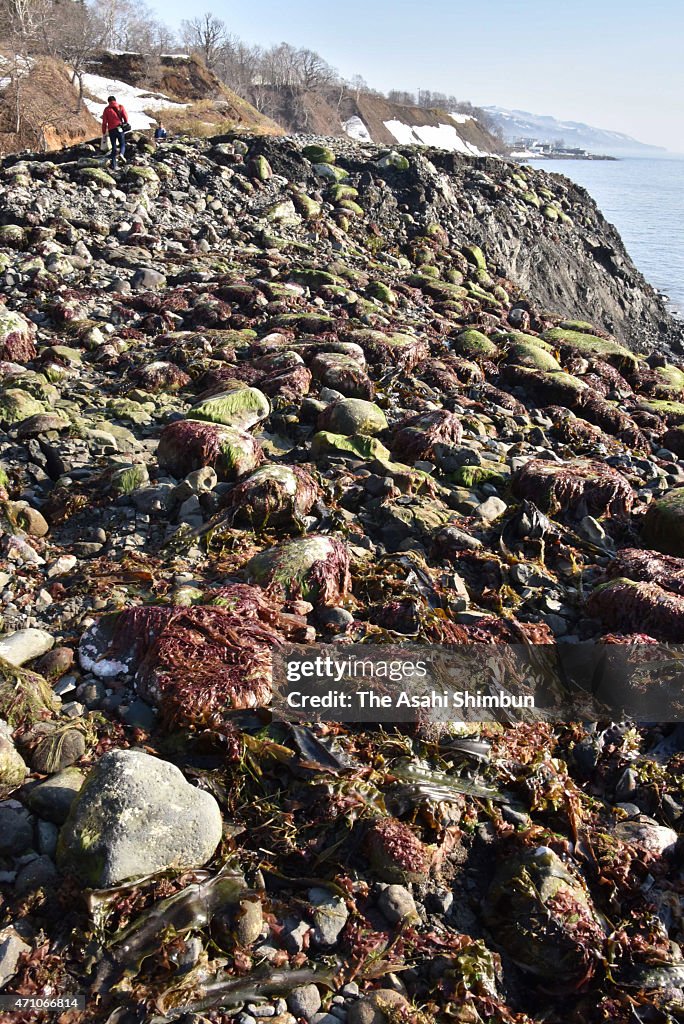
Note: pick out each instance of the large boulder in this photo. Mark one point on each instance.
(415, 438)
(353, 416)
(315, 568)
(187, 445)
(645, 607)
(239, 407)
(134, 816)
(580, 487)
(273, 495)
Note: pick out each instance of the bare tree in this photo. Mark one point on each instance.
(208, 36)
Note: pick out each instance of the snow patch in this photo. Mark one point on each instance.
(356, 129)
(461, 118)
(135, 101)
(442, 136)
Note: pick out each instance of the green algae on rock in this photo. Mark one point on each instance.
(242, 408)
(315, 568)
(590, 344)
(25, 697)
(325, 444)
(474, 344)
(352, 416)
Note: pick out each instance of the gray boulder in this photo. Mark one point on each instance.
(136, 815)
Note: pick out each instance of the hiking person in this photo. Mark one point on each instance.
(113, 118)
(160, 133)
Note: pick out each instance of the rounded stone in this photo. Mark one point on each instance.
(136, 815)
(379, 1007)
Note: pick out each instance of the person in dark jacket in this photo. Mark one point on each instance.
(114, 117)
(160, 133)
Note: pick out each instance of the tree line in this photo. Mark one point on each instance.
(283, 81)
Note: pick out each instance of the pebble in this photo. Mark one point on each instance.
(25, 645)
(398, 905)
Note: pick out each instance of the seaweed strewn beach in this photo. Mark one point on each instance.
(260, 391)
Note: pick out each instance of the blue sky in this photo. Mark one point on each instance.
(615, 64)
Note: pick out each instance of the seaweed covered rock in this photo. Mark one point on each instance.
(352, 416)
(580, 487)
(415, 438)
(196, 662)
(273, 496)
(343, 373)
(187, 445)
(162, 376)
(626, 605)
(16, 337)
(473, 344)
(400, 351)
(315, 568)
(396, 854)
(25, 697)
(650, 567)
(591, 345)
(663, 527)
(205, 661)
(240, 407)
(136, 815)
(542, 916)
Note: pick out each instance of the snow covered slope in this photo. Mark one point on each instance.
(375, 119)
(135, 101)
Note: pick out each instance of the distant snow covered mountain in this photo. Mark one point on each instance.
(520, 124)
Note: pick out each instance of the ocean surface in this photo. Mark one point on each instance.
(644, 199)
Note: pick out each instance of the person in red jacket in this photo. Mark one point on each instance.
(113, 117)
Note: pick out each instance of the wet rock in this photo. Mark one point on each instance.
(135, 815)
(49, 746)
(16, 829)
(38, 874)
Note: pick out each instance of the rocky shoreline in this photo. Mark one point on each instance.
(259, 390)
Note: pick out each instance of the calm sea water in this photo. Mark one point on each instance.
(644, 199)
